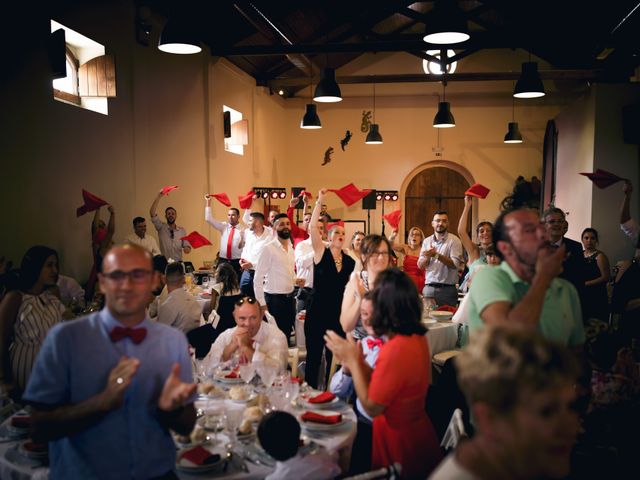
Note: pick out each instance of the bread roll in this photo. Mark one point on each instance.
(253, 414)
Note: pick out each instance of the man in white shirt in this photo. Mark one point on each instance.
(140, 237)
(180, 310)
(275, 277)
(255, 239)
(231, 235)
(251, 338)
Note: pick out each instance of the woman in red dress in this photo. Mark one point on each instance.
(394, 392)
(411, 253)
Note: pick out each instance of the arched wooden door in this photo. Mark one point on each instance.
(433, 189)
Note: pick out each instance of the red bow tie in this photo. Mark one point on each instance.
(135, 334)
(373, 342)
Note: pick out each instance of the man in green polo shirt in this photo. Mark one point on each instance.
(524, 289)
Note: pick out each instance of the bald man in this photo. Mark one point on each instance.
(107, 388)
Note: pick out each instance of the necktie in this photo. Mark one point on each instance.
(137, 335)
(372, 342)
(230, 242)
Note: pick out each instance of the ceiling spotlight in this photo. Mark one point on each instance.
(447, 24)
(378, 196)
(280, 92)
(283, 194)
(177, 38)
(265, 194)
(327, 90)
(529, 84)
(394, 197)
(274, 194)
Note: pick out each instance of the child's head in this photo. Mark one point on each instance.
(279, 435)
(366, 310)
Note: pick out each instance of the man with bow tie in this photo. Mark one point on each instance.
(107, 388)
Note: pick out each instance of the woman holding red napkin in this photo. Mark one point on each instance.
(101, 241)
(394, 393)
(411, 253)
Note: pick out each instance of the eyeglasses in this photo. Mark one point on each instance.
(380, 254)
(249, 300)
(138, 275)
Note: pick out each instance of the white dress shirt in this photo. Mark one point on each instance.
(180, 310)
(253, 244)
(270, 346)
(225, 230)
(319, 466)
(304, 262)
(148, 242)
(275, 271)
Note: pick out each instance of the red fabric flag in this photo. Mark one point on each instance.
(350, 194)
(245, 200)
(339, 223)
(196, 240)
(91, 203)
(306, 194)
(393, 218)
(223, 198)
(477, 190)
(169, 188)
(602, 178)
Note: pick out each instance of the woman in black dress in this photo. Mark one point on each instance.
(596, 299)
(331, 270)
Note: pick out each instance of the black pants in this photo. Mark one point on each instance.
(246, 283)
(235, 263)
(283, 308)
(303, 297)
(362, 446)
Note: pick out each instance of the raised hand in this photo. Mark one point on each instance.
(549, 261)
(175, 392)
(120, 378)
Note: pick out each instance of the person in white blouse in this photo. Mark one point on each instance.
(180, 310)
(251, 338)
(275, 277)
(256, 237)
(231, 235)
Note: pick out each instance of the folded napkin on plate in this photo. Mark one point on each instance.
(21, 421)
(319, 418)
(199, 456)
(296, 380)
(446, 308)
(324, 397)
(233, 374)
(36, 447)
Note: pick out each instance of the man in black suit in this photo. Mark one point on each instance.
(574, 267)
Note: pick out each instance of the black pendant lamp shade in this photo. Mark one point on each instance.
(373, 137)
(310, 120)
(529, 84)
(444, 118)
(177, 38)
(513, 135)
(327, 90)
(447, 25)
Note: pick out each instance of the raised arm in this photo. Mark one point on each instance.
(397, 247)
(111, 229)
(96, 221)
(154, 205)
(209, 218)
(296, 231)
(467, 243)
(625, 212)
(314, 233)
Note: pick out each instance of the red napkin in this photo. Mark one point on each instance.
(231, 375)
(350, 194)
(319, 418)
(223, 198)
(296, 379)
(306, 194)
(323, 397)
(245, 200)
(335, 224)
(393, 218)
(602, 178)
(446, 308)
(36, 447)
(196, 240)
(200, 456)
(21, 421)
(91, 203)
(477, 190)
(169, 188)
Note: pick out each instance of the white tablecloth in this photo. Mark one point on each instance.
(442, 336)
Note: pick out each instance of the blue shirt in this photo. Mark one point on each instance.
(74, 364)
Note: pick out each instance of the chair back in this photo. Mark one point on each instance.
(201, 339)
(455, 431)
(226, 304)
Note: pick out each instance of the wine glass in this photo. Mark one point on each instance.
(267, 374)
(247, 371)
(233, 416)
(214, 417)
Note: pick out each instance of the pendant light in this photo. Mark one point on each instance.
(327, 90)
(310, 120)
(374, 137)
(444, 118)
(513, 134)
(177, 38)
(529, 84)
(447, 25)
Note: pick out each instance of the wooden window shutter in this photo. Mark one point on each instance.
(240, 132)
(97, 77)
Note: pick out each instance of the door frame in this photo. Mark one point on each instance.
(456, 167)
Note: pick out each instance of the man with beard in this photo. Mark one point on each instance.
(274, 279)
(441, 256)
(169, 233)
(524, 289)
(231, 235)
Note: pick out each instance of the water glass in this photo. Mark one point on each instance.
(214, 418)
(247, 371)
(267, 374)
(233, 415)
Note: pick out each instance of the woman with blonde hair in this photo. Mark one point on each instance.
(411, 252)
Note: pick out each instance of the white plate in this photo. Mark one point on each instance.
(199, 468)
(246, 400)
(321, 426)
(219, 377)
(429, 321)
(441, 316)
(304, 403)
